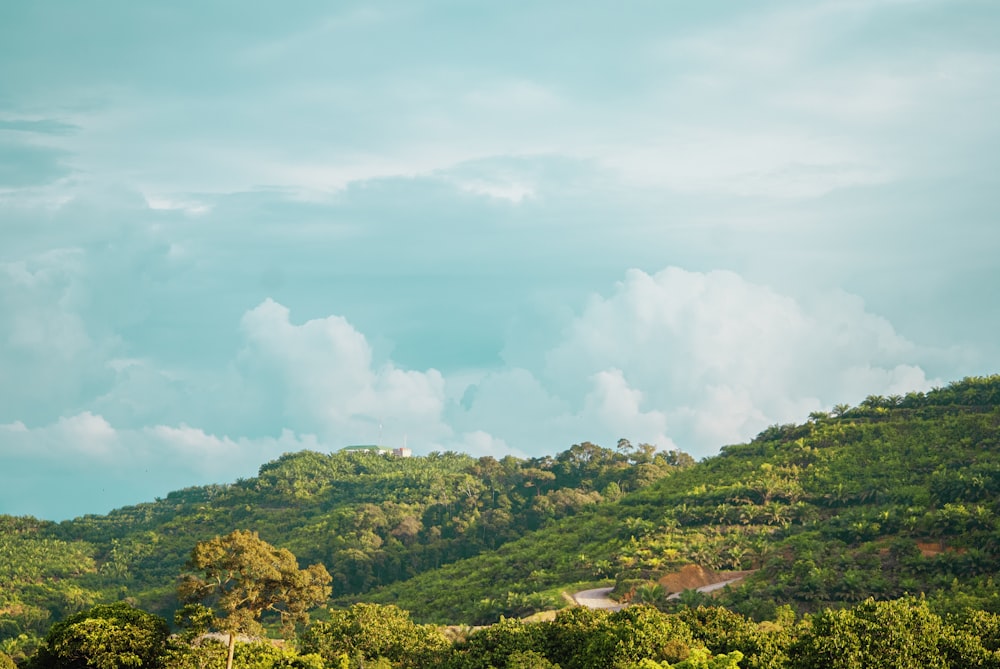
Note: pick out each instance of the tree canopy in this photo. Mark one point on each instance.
(241, 576)
(108, 636)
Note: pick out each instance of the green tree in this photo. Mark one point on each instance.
(241, 576)
(529, 659)
(700, 658)
(651, 593)
(618, 640)
(903, 634)
(371, 631)
(108, 636)
(722, 631)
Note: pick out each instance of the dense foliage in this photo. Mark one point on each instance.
(895, 496)
(844, 520)
(370, 518)
(108, 636)
(897, 634)
(242, 577)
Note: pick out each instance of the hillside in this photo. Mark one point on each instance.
(897, 495)
(373, 518)
(894, 496)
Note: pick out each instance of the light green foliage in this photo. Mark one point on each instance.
(903, 634)
(242, 577)
(6, 662)
(763, 645)
(584, 639)
(895, 495)
(650, 593)
(108, 636)
(202, 656)
(371, 519)
(21, 647)
(831, 511)
(493, 646)
(983, 624)
(253, 655)
(194, 620)
(700, 658)
(265, 655)
(637, 632)
(529, 659)
(40, 577)
(371, 631)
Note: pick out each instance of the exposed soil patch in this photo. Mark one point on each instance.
(692, 577)
(928, 549)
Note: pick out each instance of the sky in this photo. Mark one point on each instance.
(231, 231)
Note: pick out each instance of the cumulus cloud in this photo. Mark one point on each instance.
(692, 360)
(480, 443)
(617, 406)
(711, 358)
(677, 358)
(330, 383)
(430, 221)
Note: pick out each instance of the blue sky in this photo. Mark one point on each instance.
(231, 232)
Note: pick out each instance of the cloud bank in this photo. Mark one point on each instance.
(680, 359)
(315, 226)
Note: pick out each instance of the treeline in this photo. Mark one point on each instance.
(892, 497)
(371, 518)
(895, 496)
(899, 634)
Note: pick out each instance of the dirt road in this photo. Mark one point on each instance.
(597, 599)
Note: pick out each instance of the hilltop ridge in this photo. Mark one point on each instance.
(893, 496)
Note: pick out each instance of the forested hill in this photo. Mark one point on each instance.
(371, 517)
(897, 495)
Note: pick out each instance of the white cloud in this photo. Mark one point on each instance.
(160, 202)
(677, 358)
(444, 189)
(619, 407)
(511, 190)
(328, 382)
(84, 436)
(708, 359)
(481, 443)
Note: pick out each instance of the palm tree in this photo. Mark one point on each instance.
(651, 593)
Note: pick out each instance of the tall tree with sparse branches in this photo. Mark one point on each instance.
(240, 577)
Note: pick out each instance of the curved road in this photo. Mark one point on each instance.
(710, 587)
(597, 598)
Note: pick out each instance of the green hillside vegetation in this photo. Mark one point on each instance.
(897, 495)
(898, 634)
(234, 582)
(370, 518)
(851, 518)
